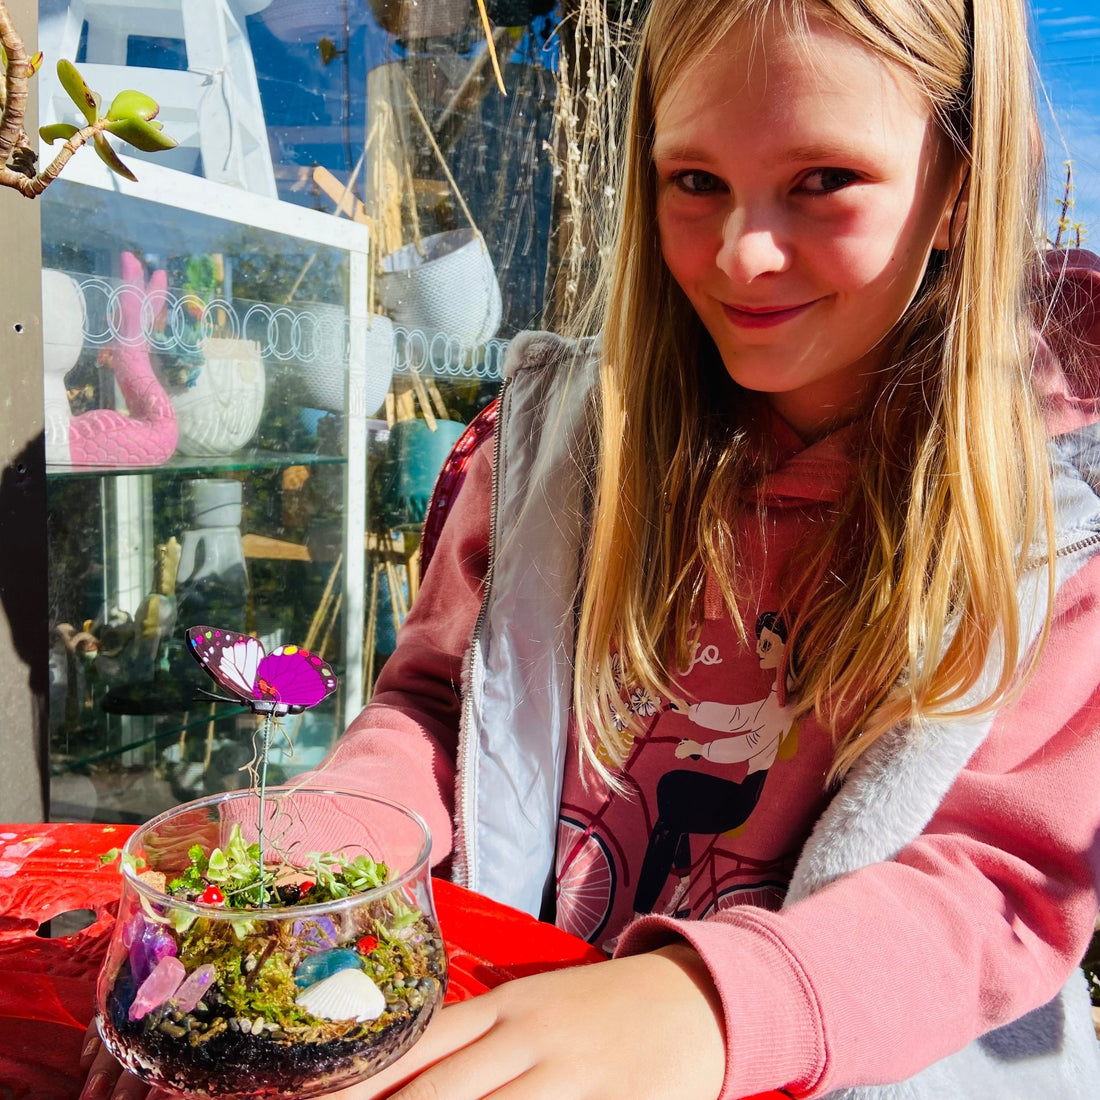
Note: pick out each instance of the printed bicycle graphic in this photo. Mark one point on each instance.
(592, 861)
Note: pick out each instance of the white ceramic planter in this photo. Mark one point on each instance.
(323, 362)
(221, 411)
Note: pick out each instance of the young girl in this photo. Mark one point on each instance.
(778, 593)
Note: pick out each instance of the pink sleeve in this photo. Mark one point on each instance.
(403, 745)
(978, 921)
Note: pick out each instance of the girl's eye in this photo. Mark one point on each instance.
(823, 180)
(696, 182)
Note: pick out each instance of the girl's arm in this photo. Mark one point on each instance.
(977, 922)
(403, 744)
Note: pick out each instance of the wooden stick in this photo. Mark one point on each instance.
(439, 155)
(331, 624)
(322, 607)
(425, 404)
(397, 600)
(437, 398)
(372, 631)
(490, 42)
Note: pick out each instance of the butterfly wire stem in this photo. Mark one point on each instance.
(265, 727)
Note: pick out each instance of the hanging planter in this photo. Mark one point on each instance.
(444, 283)
(421, 18)
(447, 284)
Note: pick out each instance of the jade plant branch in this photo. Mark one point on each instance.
(131, 117)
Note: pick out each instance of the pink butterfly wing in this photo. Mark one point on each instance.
(232, 659)
(294, 677)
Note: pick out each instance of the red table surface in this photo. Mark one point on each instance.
(47, 986)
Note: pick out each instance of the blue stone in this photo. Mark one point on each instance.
(315, 968)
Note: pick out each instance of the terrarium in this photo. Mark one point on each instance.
(271, 942)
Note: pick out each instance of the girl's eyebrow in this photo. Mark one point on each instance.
(827, 153)
(817, 153)
(671, 150)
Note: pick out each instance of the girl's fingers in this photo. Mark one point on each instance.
(480, 1069)
(91, 1046)
(106, 1079)
(453, 1029)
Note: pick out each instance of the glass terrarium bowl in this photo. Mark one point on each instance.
(290, 997)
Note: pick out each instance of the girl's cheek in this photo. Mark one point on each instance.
(689, 244)
(856, 260)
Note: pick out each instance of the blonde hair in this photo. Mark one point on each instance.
(954, 484)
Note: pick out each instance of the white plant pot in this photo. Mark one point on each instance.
(221, 411)
(446, 285)
(324, 361)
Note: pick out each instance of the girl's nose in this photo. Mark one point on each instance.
(751, 246)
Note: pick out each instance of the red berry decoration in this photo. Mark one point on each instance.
(367, 944)
(305, 887)
(212, 896)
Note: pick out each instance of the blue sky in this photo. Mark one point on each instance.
(1066, 41)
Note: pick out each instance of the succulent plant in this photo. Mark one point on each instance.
(130, 117)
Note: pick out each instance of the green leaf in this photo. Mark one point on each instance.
(58, 131)
(132, 104)
(181, 919)
(79, 92)
(146, 136)
(217, 869)
(110, 158)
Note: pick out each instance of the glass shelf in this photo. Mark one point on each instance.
(180, 464)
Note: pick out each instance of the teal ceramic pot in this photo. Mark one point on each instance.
(416, 455)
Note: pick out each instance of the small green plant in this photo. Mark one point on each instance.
(1070, 233)
(131, 117)
(232, 876)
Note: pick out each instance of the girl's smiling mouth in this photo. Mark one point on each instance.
(763, 316)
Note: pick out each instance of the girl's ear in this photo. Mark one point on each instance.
(954, 212)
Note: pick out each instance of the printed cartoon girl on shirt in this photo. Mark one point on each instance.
(696, 802)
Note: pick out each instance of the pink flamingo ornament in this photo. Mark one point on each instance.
(104, 437)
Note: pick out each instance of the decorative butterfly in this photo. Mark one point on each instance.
(286, 681)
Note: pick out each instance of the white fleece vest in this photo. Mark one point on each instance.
(517, 708)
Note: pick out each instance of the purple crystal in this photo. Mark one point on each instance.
(148, 948)
(315, 933)
(132, 929)
(193, 988)
(161, 984)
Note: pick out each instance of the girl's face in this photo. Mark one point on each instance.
(801, 185)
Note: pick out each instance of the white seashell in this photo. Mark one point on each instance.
(345, 995)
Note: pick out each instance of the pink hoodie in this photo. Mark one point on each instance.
(896, 965)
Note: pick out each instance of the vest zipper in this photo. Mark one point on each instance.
(1080, 544)
(466, 808)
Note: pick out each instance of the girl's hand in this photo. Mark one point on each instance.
(645, 1027)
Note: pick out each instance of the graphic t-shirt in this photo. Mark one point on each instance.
(723, 788)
